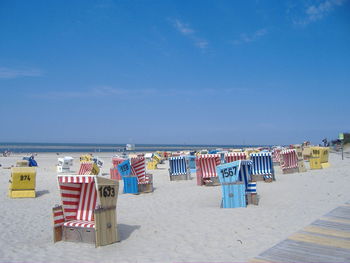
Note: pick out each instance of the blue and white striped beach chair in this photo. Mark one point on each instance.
(179, 168)
(245, 172)
(263, 165)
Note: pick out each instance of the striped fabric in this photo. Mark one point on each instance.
(262, 163)
(207, 164)
(138, 168)
(235, 156)
(58, 217)
(70, 194)
(86, 167)
(114, 171)
(75, 179)
(117, 160)
(289, 159)
(87, 202)
(80, 223)
(245, 171)
(276, 155)
(177, 165)
(147, 180)
(251, 188)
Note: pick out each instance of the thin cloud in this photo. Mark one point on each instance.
(108, 91)
(183, 28)
(247, 38)
(9, 73)
(313, 13)
(190, 33)
(102, 91)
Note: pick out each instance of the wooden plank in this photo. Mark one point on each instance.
(258, 260)
(342, 212)
(324, 241)
(327, 231)
(335, 220)
(332, 225)
(296, 251)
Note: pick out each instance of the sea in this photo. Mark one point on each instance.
(93, 148)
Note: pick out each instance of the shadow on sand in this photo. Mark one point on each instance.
(41, 193)
(126, 230)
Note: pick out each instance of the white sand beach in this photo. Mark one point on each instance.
(178, 222)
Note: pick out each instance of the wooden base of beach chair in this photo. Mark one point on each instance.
(79, 234)
(213, 181)
(145, 188)
(325, 165)
(301, 166)
(180, 177)
(257, 177)
(57, 234)
(106, 226)
(21, 193)
(268, 179)
(252, 199)
(290, 170)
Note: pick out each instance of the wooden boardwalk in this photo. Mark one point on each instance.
(325, 240)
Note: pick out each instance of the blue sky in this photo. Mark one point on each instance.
(211, 72)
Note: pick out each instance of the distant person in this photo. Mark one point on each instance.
(325, 142)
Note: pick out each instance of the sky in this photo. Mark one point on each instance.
(174, 72)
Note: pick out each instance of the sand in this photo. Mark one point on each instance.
(178, 222)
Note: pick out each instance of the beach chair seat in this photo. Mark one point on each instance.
(79, 223)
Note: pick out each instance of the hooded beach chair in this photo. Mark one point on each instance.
(114, 173)
(88, 210)
(262, 166)
(235, 156)
(179, 168)
(289, 161)
(64, 164)
(88, 168)
(206, 169)
(144, 180)
(233, 190)
(319, 157)
(276, 156)
(22, 182)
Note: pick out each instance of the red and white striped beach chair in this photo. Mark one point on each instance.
(114, 170)
(88, 168)
(144, 180)
(289, 161)
(206, 169)
(235, 156)
(276, 156)
(88, 210)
